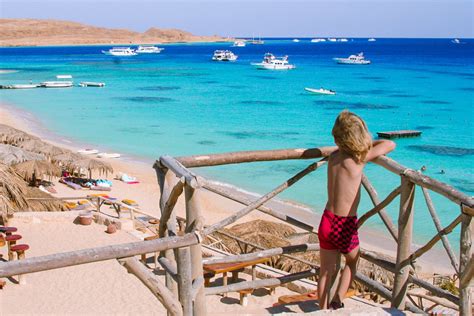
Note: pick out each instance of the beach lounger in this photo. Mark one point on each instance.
(71, 184)
(130, 202)
(100, 188)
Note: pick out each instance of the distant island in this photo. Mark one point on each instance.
(35, 32)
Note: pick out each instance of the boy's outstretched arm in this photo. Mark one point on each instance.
(379, 148)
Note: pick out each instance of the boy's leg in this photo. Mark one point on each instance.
(347, 274)
(328, 267)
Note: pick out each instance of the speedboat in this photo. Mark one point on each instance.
(120, 52)
(56, 84)
(88, 151)
(91, 84)
(224, 55)
(239, 44)
(108, 155)
(358, 59)
(332, 39)
(456, 41)
(343, 40)
(321, 91)
(371, 39)
(296, 40)
(274, 63)
(148, 49)
(19, 86)
(318, 40)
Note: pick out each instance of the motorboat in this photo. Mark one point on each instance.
(318, 40)
(257, 41)
(56, 84)
(120, 52)
(296, 40)
(332, 39)
(274, 63)
(358, 59)
(343, 40)
(88, 151)
(108, 155)
(148, 49)
(371, 39)
(19, 86)
(224, 55)
(239, 44)
(63, 77)
(456, 41)
(321, 91)
(91, 84)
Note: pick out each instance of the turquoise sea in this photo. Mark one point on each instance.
(179, 102)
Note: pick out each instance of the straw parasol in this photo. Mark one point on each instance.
(10, 135)
(93, 164)
(279, 230)
(37, 169)
(38, 146)
(47, 203)
(67, 160)
(12, 155)
(12, 191)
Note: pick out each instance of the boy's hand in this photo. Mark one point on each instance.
(379, 148)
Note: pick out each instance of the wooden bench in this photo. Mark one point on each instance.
(210, 270)
(300, 298)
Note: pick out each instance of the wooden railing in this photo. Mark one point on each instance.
(181, 256)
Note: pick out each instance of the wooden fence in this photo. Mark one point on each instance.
(181, 256)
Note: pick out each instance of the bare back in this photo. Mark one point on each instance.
(344, 179)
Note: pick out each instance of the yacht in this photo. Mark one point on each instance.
(239, 44)
(257, 41)
(358, 59)
(274, 63)
(148, 49)
(321, 91)
(343, 40)
(456, 41)
(371, 39)
(296, 40)
(332, 39)
(56, 84)
(318, 40)
(224, 55)
(120, 52)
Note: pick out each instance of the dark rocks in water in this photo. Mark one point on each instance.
(146, 99)
(210, 82)
(263, 77)
(287, 169)
(424, 127)
(435, 102)
(260, 102)
(372, 78)
(159, 88)
(402, 95)
(30, 69)
(260, 134)
(443, 150)
(339, 105)
(471, 89)
(235, 86)
(463, 184)
(206, 142)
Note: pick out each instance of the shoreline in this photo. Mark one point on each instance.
(216, 207)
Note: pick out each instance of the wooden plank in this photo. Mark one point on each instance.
(405, 232)
(253, 156)
(465, 295)
(179, 170)
(156, 287)
(311, 296)
(73, 258)
(232, 266)
(233, 218)
(185, 281)
(399, 134)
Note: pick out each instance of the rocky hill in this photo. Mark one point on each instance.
(32, 32)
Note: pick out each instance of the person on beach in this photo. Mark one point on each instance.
(338, 227)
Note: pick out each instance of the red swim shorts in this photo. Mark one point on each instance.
(338, 232)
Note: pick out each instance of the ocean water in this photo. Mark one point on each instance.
(179, 102)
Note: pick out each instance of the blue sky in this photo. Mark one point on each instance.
(309, 18)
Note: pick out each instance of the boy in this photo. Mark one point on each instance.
(338, 228)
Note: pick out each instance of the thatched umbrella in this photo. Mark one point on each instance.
(67, 160)
(38, 146)
(10, 135)
(37, 169)
(12, 155)
(47, 203)
(94, 164)
(12, 191)
(279, 230)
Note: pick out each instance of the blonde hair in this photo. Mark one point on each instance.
(352, 136)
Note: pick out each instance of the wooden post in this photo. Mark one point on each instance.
(405, 231)
(465, 295)
(194, 222)
(166, 179)
(185, 281)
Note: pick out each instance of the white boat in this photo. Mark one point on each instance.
(88, 151)
(239, 44)
(108, 155)
(148, 49)
(19, 86)
(257, 41)
(318, 40)
(371, 39)
(63, 77)
(332, 39)
(120, 52)
(224, 55)
(296, 40)
(456, 41)
(91, 84)
(358, 59)
(321, 91)
(274, 63)
(343, 40)
(56, 84)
